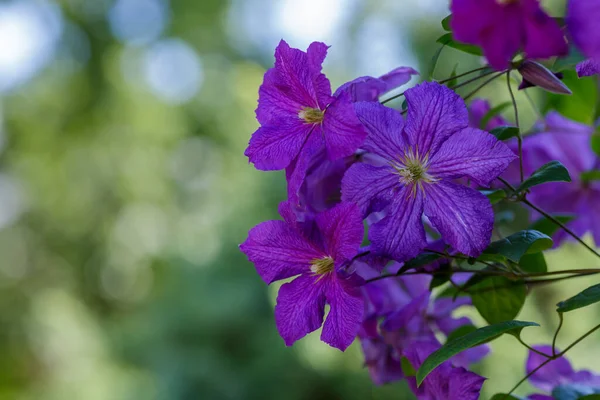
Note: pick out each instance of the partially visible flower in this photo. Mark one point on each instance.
(478, 109)
(424, 157)
(368, 88)
(558, 379)
(582, 21)
(299, 116)
(588, 68)
(445, 382)
(315, 251)
(504, 27)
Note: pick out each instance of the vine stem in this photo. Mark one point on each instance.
(560, 323)
(478, 88)
(519, 136)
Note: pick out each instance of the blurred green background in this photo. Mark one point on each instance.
(124, 193)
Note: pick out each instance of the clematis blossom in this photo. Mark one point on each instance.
(314, 251)
(422, 159)
(582, 22)
(504, 27)
(368, 88)
(299, 116)
(558, 379)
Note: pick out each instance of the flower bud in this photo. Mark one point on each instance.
(535, 74)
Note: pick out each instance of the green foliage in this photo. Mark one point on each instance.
(447, 40)
(446, 23)
(494, 111)
(503, 396)
(494, 195)
(587, 297)
(553, 171)
(570, 61)
(407, 368)
(595, 142)
(505, 132)
(547, 226)
(498, 299)
(462, 343)
(533, 263)
(589, 176)
(461, 331)
(518, 244)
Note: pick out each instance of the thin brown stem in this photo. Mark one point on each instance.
(478, 88)
(519, 136)
(463, 74)
(541, 353)
(560, 324)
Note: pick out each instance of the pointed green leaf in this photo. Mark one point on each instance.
(498, 299)
(453, 347)
(554, 171)
(446, 23)
(502, 396)
(533, 263)
(452, 82)
(494, 195)
(590, 397)
(589, 296)
(447, 40)
(492, 113)
(589, 176)
(548, 227)
(518, 244)
(407, 368)
(461, 331)
(505, 132)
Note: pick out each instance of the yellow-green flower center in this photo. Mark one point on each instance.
(311, 115)
(412, 169)
(321, 266)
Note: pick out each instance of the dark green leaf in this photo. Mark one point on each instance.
(461, 331)
(452, 82)
(502, 396)
(589, 176)
(407, 367)
(495, 195)
(570, 61)
(590, 397)
(498, 299)
(434, 60)
(518, 244)
(533, 263)
(548, 227)
(505, 132)
(595, 143)
(452, 348)
(421, 260)
(589, 296)
(492, 113)
(554, 171)
(446, 23)
(447, 40)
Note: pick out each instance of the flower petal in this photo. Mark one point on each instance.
(345, 315)
(582, 21)
(384, 126)
(464, 385)
(300, 307)
(472, 153)
(434, 114)
(278, 251)
(463, 216)
(400, 234)
(342, 130)
(342, 229)
(543, 36)
(478, 110)
(552, 374)
(588, 68)
(369, 187)
(295, 173)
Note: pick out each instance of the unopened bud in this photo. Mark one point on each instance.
(535, 74)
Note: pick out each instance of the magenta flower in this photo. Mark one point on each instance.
(582, 22)
(504, 27)
(422, 159)
(314, 251)
(558, 377)
(445, 382)
(299, 115)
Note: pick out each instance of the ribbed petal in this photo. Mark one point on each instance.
(434, 114)
(588, 68)
(369, 187)
(384, 126)
(342, 230)
(582, 21)
(472, 153)
(345, 315)
(342, 130)
(463, 216)
(295, 173)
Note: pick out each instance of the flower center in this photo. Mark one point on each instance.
(321, 266)
(311, 115)
(412, 169)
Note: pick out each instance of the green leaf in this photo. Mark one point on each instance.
(447, 40)
(554, 171)
(548, 227)
(498, 299)
(446, 23)
(494, 195)
(590, 397)
(595, 143)
(589, 296)
(421, 260)
(492, 113)
(461, 331)
(452, 82)
(407, 368)
(570, 61)
(518, 244)
(502, 396)
(434, 61)
(533, 263)
(453, 347)
(589, 176)
(505, 132)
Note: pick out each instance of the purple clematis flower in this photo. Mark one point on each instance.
(445, 382)
(568, 142)
(558, 378)
(424, 157)
(368, 88)
(313, 250)
(503, 27)
(582, 21)
(299, 116)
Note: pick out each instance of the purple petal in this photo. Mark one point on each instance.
(397, 77)
(543, 36)
(582, 21)
(463, 216)
(415, 309)
(539, 397)
(434, 114)
(478, 109)
(296, 172)
(503, 39)
(342, 130)
(274, 147)
(472, 153)
(364, 88)
(464, 385)
(300, 307)
(343, 231)
(400, 234)
(368, 186)
(274, 103)
(345, 315)
(588, 68)
(278, 251)
(384, 126)
(552, 374)
(383, 366)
